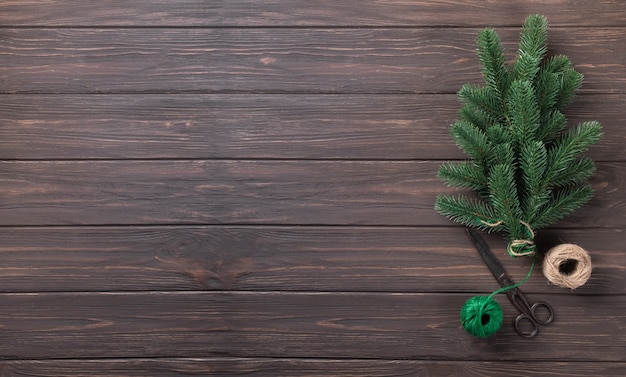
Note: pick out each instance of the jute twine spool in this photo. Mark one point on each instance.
(567, 265)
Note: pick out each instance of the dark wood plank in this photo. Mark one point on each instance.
(258, 367)
(272, 324)
(281, 258)
(250, 192)
(257, 126)
(353, 60)
(307, 13)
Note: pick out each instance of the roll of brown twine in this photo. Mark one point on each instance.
(567, 265)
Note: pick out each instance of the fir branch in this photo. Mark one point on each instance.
(548, 88)
(536, 192)
(499, 134)
(563, 203)
(548, 83)
(471, 140)
(503, 194)
(463, 175)
(565, 149)
(532, 47)
(526, 66)
(493, 58)
(534, 35)
(524, 111)
(551, 126)
(485, 98)
(578, 171)
(475, 115)
(557, 95)
(467, 211)
(503, 154)
(557, 64)
(571, 81)
(525, 168)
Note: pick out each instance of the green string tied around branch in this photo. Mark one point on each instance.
(518, 247)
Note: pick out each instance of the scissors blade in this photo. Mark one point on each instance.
(490, 259)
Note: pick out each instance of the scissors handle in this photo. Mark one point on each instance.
(542, 318)
(525, 326)
(530, 313)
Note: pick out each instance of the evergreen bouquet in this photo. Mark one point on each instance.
(525, 164)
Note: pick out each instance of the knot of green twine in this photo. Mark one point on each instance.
(523, 247)
(518, 247)
(482, 316)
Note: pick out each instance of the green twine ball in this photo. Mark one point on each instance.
(481, 316)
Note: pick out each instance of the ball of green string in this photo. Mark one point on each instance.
(481, 316)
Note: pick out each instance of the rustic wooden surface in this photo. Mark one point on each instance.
(246, 188)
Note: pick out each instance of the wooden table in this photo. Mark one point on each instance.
(242, 187)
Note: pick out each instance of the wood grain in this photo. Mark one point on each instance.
(335, 259)
(308, 13)
(309, 325)
(273, 367)
(353, 60)
(250, 192)
(246, 188)
(252, 126)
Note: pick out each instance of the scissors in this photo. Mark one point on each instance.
(528, 312)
